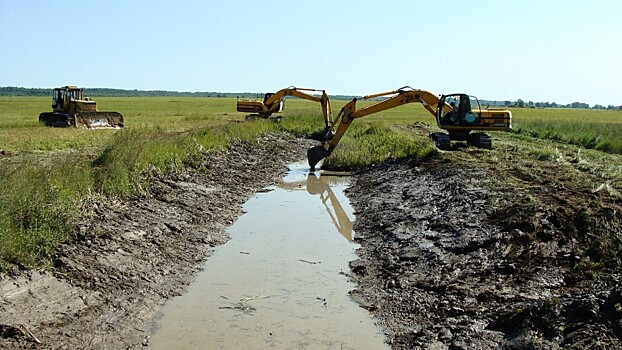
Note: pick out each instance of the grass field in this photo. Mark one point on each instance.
(46, 173)
(597, 129)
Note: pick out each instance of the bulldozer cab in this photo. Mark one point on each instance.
(62, 96)
(464, 110)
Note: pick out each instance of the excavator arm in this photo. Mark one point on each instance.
(273, 103)
(349, 112)
(458, 118)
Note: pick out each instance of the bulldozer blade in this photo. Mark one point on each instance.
(99, 120)
(315, 155)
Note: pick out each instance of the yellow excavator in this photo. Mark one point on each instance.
(458, 114)
(274, 103)
(71, 108)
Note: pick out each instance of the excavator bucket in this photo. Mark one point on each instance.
(315, 155)
(99, 120)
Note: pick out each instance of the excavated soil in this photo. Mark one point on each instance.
(452, 256)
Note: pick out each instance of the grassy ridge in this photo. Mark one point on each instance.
(52, 171)
(373, 143)
(37, 208)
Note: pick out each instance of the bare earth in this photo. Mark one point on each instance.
(452, 256)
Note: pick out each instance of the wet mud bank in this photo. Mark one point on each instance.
(127, 259)
(452, 258)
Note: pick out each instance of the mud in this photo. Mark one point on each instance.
(453, 256)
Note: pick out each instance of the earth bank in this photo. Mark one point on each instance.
(127, 259)
(453, 257)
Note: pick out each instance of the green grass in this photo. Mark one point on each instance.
(50, 171)
(38, 204)
(592, 129)
(369, 143)
(46, 173)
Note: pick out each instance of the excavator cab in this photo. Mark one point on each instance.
(465, 111)
(267, 97)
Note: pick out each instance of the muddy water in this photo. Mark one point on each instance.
(280, 282)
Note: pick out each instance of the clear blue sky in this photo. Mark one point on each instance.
(555, 51)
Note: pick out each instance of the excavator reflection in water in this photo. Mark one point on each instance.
(322, 186)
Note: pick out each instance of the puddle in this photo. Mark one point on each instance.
(280, 281)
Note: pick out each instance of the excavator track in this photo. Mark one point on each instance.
(441, 140)
(480, 140)
(60, 120)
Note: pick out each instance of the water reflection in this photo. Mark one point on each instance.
(321, 186)
(279, 282)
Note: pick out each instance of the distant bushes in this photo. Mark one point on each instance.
(108, 92)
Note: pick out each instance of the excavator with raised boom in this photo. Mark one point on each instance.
(71, 108)
(275, 102)
(458, 114)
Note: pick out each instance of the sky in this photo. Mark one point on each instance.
(535, 50)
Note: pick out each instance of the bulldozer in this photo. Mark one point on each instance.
(275, 102)
(71, 108)
(459, 114)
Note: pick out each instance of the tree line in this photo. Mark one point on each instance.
(530, 104)
(107, 92)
